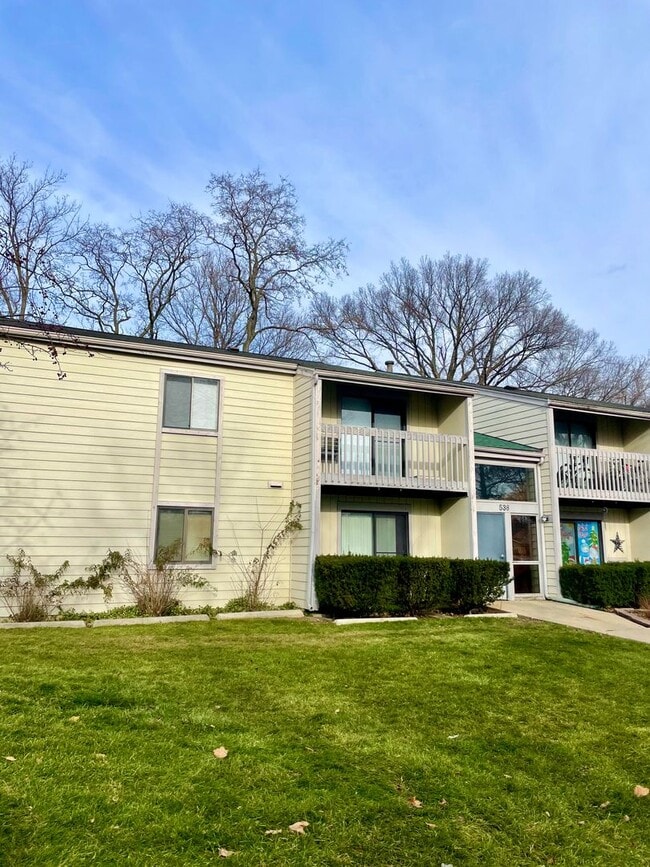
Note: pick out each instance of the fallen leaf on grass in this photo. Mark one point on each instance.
(605, 805)
(443, 802)
(225, 853)
(414, 802)
(74, 718)
(272, 831)
(10, 759)
(220, 753)
(452, 737)
(641, 791)
(430, 824)
(100, 756)
(298, 827)
(626, 818)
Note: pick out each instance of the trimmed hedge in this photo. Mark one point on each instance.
(361, 586)
(609, 585)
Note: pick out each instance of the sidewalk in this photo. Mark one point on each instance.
(580, 618)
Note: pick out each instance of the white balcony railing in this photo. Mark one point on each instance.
(599, 474)
(392, 458)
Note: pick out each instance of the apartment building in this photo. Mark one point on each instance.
(146, 443)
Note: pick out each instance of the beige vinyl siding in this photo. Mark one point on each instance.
(422, 415)
(452, 416)
(455, 527)
(256, 448)
(526, 423)
(424, 521)
(79, 458)
(188, 468)
(330, 413)
(638, 547)
(637, 436)
(303, 485)
(608, 433)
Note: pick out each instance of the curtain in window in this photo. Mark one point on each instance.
(198, 536)
(386, 534)
(204, 404)
(356, 533)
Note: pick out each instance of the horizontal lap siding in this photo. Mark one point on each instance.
(256, 448)
(188, 468)
(77, 457)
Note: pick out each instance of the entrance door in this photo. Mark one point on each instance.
(491, 536)
(504, 536)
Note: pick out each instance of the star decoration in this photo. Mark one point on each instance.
(617, 542)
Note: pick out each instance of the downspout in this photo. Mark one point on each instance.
(312, 601)
(555, 503)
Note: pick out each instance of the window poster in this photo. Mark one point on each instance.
(588, 542)
(568, 534)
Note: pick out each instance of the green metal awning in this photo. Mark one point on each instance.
(484, 441)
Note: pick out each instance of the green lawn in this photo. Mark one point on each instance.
(523, 742)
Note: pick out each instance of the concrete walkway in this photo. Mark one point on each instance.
(580, 618)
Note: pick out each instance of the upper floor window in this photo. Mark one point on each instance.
(380, 414)
(505, 483)
(191, 403)
(578, 433)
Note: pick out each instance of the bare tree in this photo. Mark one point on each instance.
(448, 319)
(37, 229)
(101, 295)
(212, 310)
(160, 248)
(445, 319)
(128, 278)
(258, 229)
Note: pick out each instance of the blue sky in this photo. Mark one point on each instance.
(517, 131)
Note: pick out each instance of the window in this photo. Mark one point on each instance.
(505, 483)
(374, 533)
(579, 433)
(190, 403)
(184, 534)
(362, 454)
(582, 542)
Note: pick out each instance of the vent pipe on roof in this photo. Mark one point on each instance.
(389, 365)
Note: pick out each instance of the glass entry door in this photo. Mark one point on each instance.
(512, 537)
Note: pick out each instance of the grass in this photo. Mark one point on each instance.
(522, 741)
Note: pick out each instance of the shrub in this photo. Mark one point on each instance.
(31, 595)
(361, 586)
(476, 583)
(153, 587)
(608, 585)
(255, 575)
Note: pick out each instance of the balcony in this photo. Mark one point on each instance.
(603, 475)
(370, 457)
